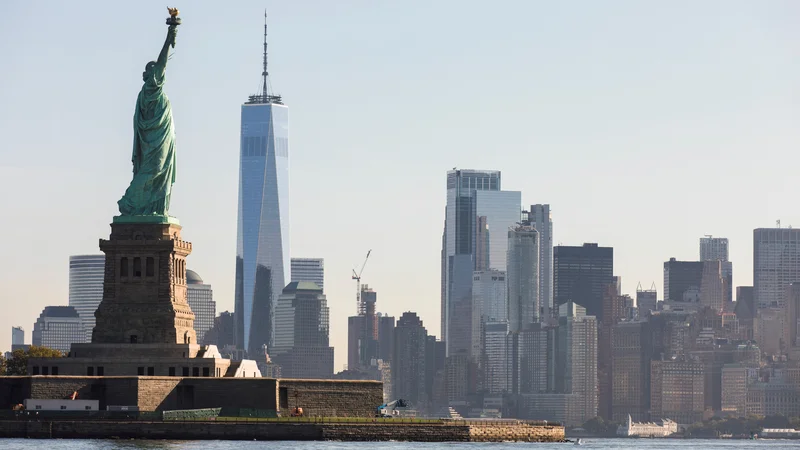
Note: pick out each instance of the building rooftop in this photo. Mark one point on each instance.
(193, 278)
(59, 311)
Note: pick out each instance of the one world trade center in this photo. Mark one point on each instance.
(262, 244)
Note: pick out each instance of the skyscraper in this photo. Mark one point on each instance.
(408, 360)
(262, 247)
(576, 361)
(682, 280)
(540, 218)
(523, 277)
(302, 324)
(86, 274)
(646, 299)
(201, 300)
(716, 249)
(477, 214)
(17, 337)
(581, 274)
(776, 263)
(309, 269)
(58, 327)
(713, 249)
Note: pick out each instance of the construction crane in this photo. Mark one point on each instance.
(357, 276)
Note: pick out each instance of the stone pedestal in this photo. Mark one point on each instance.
(144, 289)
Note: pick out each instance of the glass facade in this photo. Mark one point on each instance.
(477, 218)
(86, 287)
(776, 263)
(262, 247)
(309, 269)
(58, 327)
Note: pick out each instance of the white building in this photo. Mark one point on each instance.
(201, 300)
(309, 269)
(86, 274)
(496, 373)
(647, 429)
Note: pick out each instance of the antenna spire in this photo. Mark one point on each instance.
(264, 96)
(265, 73)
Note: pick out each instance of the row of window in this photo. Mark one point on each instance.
(45, 370)
(149, 269)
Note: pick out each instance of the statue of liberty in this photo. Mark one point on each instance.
(153, 140)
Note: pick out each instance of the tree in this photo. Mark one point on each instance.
(2, 365)
(18, 364)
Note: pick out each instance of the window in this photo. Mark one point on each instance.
(137, 267)
(172, 371)
(140, 371)
(283, 397)
(150, 269)
(38, 406)
(87, 407)
(63, 406)
(90, 371)
(186, 371)
(206, 371)
(36, 370)
(123, 267)
(100, 371)
(195, 371)
(54, 371)
(151, 371)
(134, 339)
(45, 370)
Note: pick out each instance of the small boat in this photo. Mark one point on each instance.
(579, 441)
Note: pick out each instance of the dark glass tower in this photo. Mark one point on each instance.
(581, 275)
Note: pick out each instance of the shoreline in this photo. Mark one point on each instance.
(280, 431)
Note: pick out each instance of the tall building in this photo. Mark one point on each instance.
(716, 249)
(540, 218)
(477, 215)
(776, 263)
(262, 246)
(613, 311)
(17, 337)
(523, 277)
(677, 390)
(86, 274)
(576, 360)
(646, 299)
(682, 280)
(531, 364)
(581, 274)
(302, 323)
(496, 379)
(630, 360)
(713, 248)
(309, 269)
(201, 300)
(385, 337)
(222, 332)
(58, 327)
(408, 360)
(489, 291)
(792, 316)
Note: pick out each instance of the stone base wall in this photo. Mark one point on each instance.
(339, 398)
(318, 398)
(278, 431)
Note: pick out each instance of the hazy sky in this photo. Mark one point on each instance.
(644, 124)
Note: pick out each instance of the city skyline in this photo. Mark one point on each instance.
(580, 215)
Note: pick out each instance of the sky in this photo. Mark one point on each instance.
(645, 125)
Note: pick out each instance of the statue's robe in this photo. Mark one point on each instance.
(153, 150)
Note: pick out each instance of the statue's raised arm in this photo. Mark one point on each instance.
(161, 63)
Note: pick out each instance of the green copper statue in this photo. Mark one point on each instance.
(153, 141)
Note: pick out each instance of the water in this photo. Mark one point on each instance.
(647, 444)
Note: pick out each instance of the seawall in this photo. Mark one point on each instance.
(195, 430)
